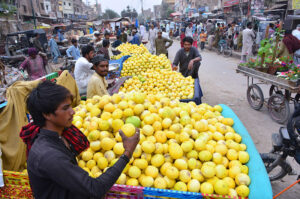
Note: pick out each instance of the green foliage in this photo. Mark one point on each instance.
(110, 14)
(9, 9)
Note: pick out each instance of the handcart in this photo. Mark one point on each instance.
(281, 93)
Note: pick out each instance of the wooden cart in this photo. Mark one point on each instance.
(281, 93)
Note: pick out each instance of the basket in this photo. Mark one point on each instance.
(119, 63)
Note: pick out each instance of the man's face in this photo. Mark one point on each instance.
(159, 34)
(187, 46)
(102, 68)
(106, 36)
(75, 44)
(91, 55)
(63, 116)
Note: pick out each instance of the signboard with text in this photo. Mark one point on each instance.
(229, 3)
(257, 7)
(296, 4)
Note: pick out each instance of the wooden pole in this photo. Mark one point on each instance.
(263, 55)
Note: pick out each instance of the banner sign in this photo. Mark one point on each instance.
(257, 7)
(296, 4)
(229, 3)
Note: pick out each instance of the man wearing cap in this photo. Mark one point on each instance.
(83, 65)
(136, 39)
(296, 32)
(97, 84)
(160, 43)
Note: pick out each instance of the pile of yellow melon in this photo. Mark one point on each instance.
(160, 81)
(129, 49)
(139, 63)
(182, 146)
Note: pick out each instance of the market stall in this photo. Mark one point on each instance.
(280, 71)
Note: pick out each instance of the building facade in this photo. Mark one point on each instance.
(157, 11)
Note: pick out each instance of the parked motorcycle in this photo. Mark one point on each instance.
(285, 143)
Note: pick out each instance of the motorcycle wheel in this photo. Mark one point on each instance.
(279, 171)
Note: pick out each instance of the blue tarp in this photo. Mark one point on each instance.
(260, 186)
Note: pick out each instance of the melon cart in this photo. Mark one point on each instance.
(281, 93)
(17, 184)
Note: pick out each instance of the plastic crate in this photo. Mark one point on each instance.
(115, 74)
(197, 93)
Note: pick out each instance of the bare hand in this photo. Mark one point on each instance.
(191, 64)
(129, 143)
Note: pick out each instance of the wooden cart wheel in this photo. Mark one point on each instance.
(255, 97)
(279, 108)
(276, 90)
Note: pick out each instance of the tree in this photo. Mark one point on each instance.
(110, 14)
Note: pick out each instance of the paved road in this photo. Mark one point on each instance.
(222, 85)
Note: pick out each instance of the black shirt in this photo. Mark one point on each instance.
(54, 173)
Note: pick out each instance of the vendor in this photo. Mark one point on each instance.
(188, 59)
(97, 36)
(105, 49)
(83, 66)
(73, 51)
(97, 84)
(53, 144)
(35, 64)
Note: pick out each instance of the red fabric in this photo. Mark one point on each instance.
(73, 135)
(182, 36)
(291, 42)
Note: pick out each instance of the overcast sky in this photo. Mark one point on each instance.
(119, 5)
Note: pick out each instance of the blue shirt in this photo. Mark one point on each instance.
(73, 52)
(135, 40)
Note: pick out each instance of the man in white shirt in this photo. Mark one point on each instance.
(168, 27)
(152, 37)
(142, 31)
(296, 32)
(82, 71)
(248, 40)
(189, 31)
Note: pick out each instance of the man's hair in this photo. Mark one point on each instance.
(106, 33)
(271, 25)
(105, 43)
(74, 41)
(188, 39)
(163, 29)
(249, 24)
(45, 99)
(97, 59)
(86, 50)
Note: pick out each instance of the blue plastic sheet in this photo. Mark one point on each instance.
(260, 186)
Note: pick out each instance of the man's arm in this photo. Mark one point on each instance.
(176, 59)
(75, 179)
(169, 41)
(69, 50)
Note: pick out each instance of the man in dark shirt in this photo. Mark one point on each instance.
(36, 43)
(52, 166)
(188, 59)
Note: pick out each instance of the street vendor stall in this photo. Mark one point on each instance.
(281, 72)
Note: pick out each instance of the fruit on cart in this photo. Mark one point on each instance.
(129, 49)
(182, 146)
(139, 63)
(170, 84)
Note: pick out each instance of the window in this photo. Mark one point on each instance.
(42, 6)
(47, 7)
(69, 4)
(24, 8)
(64, 3)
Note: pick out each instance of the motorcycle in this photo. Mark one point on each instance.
(285, 143)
